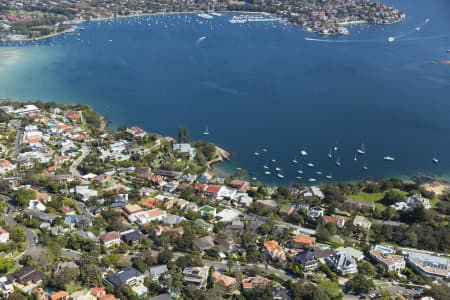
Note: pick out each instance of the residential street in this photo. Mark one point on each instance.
(74, 167)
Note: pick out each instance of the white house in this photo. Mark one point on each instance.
(389, 261)
(36, 205)
(416, 200)
(185, 148)
(4, 235)
(144, 217)
(6, 286)
(84, 191)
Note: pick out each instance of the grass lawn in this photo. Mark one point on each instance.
(373, 198)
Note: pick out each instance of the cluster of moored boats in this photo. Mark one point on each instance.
(360, 153)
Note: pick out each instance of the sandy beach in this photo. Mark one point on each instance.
(437, 187)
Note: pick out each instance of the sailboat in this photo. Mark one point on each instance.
(279, 175)
(256, 153)
(338, 162)
(310, 165)
(300, 171)
(266, 167)
(267, 172)
(435, 160)
(319, 172)
(361, 150)
(206, 132)
(295, 160)
(274, 160)
(329, 154)
(355, 158)
(329, 176)
(335, 147)
(303, 152)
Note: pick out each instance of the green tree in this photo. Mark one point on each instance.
(359, 284)
(23, 197)
(327, 289)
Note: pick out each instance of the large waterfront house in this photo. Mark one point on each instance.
(343, 263)
(390, 262)
(429, 265)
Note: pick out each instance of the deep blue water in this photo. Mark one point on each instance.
(262, 85)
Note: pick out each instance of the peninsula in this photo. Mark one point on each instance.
(30, 20)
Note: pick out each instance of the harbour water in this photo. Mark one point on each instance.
(261, 85)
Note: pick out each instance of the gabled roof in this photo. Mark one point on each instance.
(123, 276)
(110, 236)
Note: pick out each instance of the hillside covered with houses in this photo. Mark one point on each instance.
(93, 213)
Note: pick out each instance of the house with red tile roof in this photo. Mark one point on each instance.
(149, 202)
(98, 291)
(111, 238)
(6, 166)
(304, 241)
(61, 295)
(274, 250)
(136, 131)
(74, 115)
(339, 222)
(241, 185)
(212, 191)
(162, 229)
(67, 210)
(254, 283)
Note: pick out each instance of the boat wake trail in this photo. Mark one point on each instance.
(200, 40)
(418, 28)
(327, 41)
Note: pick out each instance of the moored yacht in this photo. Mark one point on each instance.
(256, 153)
(329, 176)
(267, 172)
(310, 165)
(338, 162)
(365, 168)
(311, 179)
(361, 150)
(265, 167)
(390, 158)
(435, 160)
(329, 154)
(303, 152)
(279, 175)
(278, 169)
(206, 132)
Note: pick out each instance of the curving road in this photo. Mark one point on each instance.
(74, 167)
